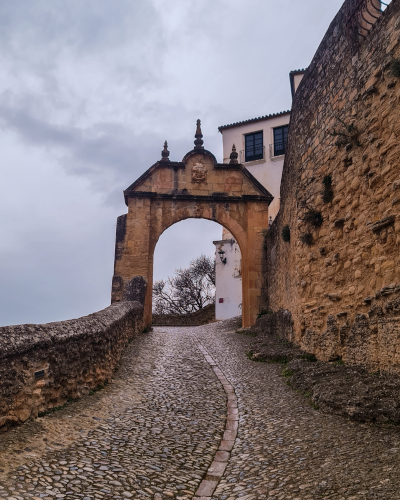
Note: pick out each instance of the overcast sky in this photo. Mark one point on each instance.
(89, 90)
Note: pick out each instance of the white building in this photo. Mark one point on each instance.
(228, 278)
(261, 144)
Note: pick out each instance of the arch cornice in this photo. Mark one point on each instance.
(214, 197)
(137, 188)
(194, 152)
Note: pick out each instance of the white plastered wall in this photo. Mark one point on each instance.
(228, 298)
(297, 79)
(267, 171)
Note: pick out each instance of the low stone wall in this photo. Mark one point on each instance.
(202, 317)
(42, 366)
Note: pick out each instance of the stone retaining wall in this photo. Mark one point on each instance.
(339, 279)
(278, 324)
(202, 317)
(42, 366)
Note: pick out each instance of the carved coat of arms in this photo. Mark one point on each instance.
(199, 173)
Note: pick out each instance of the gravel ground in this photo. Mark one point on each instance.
(155, 430)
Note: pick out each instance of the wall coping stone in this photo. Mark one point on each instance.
(18, 339)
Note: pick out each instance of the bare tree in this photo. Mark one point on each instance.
(190, 290)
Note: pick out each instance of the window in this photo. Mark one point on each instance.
(280, 140)
(254, 148)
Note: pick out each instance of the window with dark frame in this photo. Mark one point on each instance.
(254, 147)
(280, 140)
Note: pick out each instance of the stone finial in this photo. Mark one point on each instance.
(198, 143)
(165, 153)
(234, 155)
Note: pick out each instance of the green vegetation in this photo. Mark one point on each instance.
(97, 389)
(278, 361)
(286, 233)
(263, 312)
(308, 395)
(327, 193)
(250, 355)
(287, 373)
(307, 239)
(313, 217)
(308, 357)
(395, 68)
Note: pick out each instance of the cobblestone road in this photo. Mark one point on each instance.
(156, 429)
(286, 449)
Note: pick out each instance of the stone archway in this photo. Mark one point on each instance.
(197, 187)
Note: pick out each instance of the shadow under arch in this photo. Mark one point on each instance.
(196, 188)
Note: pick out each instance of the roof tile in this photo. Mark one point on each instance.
(252, 120)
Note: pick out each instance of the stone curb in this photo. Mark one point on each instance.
(217, 468)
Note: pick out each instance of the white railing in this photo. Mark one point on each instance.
(277, 149)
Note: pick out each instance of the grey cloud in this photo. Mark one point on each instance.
(90, 90)
(111, 155)
(83, 25)
(40, 282)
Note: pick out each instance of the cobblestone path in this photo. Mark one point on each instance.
(155, 431)
(287, 450)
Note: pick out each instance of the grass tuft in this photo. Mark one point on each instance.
(327, 193)
(395, 68)
(278, 361)
(339, 362)
(263, 312)
(313, 217)
(307, 239)
(287, 373)
(286, 233)
(308, 357)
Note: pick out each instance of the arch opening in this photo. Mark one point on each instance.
(190, 239)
